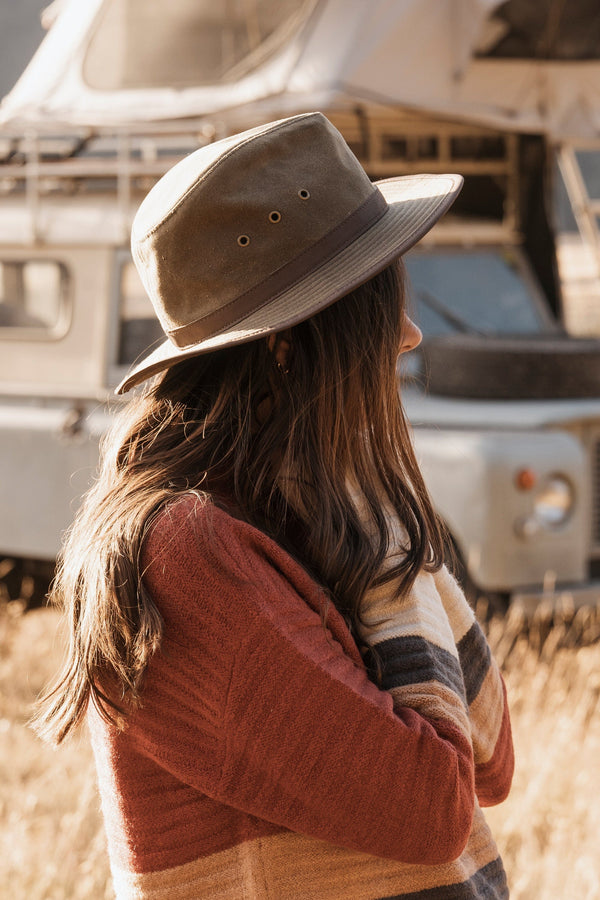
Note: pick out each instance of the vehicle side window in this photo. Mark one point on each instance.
(139, 329)
(33, 296)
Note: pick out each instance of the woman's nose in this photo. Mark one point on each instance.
(411, 335)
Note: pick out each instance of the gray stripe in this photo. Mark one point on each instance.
(475, 660)
(413, 660)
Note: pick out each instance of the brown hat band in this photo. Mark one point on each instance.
(310, 259)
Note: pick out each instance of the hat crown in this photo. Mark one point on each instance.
(249, 211)
(262, 230)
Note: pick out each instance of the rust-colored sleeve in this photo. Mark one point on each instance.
(254, 702)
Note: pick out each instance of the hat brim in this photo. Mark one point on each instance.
(415, 203)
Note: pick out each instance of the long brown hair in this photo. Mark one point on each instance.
(280, 446)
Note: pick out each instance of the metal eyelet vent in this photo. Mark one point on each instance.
(243, 240)
(303, 194)
(274, 216)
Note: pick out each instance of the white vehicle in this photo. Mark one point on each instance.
(512, 462)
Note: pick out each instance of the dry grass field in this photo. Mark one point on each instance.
(51, 841)
(52, 844)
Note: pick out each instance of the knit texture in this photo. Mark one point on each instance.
(264, 763)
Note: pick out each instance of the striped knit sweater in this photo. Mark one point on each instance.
(263, 763)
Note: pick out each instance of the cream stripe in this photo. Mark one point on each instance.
(293, 867)
(421, 613)
(459, 613)
(385, 616)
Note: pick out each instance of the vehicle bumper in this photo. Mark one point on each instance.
(564, 598)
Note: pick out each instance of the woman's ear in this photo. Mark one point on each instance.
(280, 345)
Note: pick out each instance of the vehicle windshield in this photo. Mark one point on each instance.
(484, 291)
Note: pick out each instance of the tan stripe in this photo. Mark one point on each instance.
(421, 614)
(293, 867)
(486, 715)
(219, 876)
(433, 701)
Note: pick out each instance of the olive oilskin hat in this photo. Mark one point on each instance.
(261, 230)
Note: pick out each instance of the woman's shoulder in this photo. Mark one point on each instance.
(195, 530)
(193, 524)
(199, 560)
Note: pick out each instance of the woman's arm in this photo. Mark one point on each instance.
(254, 702)
(485, 695)
(433, 657)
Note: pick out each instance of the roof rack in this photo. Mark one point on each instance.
(404, 143)
(122, 164)
(125, 163)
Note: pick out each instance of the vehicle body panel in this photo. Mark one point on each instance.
(49, 454)
(72, 363)
(472, 478)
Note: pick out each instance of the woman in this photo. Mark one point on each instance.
(287, 694)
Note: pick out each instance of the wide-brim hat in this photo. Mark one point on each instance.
(257, 232)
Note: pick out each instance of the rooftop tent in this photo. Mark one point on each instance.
(525, 65)
(138, 45)
(119, 62)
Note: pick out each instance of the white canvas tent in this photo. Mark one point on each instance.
(523, 65)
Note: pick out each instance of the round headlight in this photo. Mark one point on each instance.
(553, 503)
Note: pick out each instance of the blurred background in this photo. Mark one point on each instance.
(22, 31)
(100, 98)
